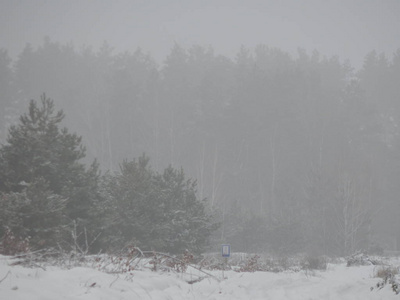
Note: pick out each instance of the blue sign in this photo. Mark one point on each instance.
(226, 250)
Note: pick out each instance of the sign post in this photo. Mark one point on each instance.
(226, 250)
(226, 253)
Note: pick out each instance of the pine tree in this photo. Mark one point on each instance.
(44, 157)
(155, 211)
(190, 224)
(38, 148)
(36, 214)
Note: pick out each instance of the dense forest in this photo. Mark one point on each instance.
(292, 153)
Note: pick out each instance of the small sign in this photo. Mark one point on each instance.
(226, 250)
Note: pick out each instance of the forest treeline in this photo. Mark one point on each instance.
(293, 153)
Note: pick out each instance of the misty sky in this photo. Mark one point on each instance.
(349, 29)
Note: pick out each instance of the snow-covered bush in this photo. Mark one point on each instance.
(361, 259)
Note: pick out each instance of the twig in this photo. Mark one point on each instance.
(86, 241)
(9, 272)
(20, 255)
(94, 239)
(114, 281)
(141, 252)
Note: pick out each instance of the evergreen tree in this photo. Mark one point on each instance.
(186, 222)
(45, 158)
(154, 211)
(36, 214)
(38, 148)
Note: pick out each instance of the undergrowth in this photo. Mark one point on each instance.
(134, 259)
(388, 275)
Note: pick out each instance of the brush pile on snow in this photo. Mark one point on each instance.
(151, 275)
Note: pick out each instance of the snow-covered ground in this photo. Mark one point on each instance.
(50, 283)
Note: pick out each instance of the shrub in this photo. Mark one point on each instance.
(386, 271)
(11, 245)
(388, 275)
(361, 260)
(314, 263)
(252, 265)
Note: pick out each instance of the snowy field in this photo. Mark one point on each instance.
(49, 283)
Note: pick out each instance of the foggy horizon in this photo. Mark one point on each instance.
(347, 29)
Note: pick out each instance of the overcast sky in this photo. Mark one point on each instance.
(347, 28)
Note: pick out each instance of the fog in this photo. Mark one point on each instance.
(349, 29)
(286, 113)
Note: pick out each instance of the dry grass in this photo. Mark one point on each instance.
(386, 271)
